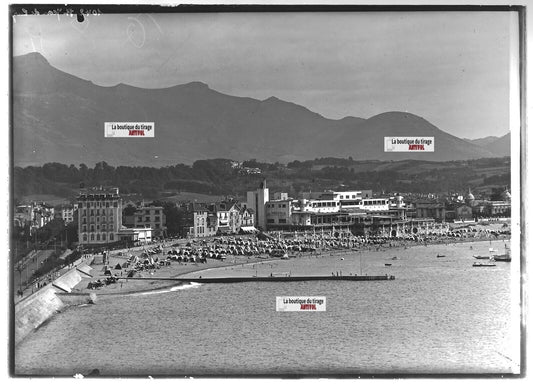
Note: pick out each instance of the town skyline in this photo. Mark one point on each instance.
(451, 68)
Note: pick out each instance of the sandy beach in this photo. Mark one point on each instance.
(126, 285)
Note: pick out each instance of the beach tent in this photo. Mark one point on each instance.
(118, 267)
(248, 230)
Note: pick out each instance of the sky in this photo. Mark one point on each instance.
(451, 68)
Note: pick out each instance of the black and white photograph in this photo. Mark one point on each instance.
(249, 191)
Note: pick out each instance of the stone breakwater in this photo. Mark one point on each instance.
(36, 309)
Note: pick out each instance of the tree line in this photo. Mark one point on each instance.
(221, 177)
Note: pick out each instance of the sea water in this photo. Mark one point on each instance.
(439, 316)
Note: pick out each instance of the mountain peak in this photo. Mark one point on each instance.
(197, 85)
(33, 57)
(272, 99)
(396, 115)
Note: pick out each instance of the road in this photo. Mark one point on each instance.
(30, 264)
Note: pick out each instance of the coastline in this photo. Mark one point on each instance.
(82, 296)
(176, 269)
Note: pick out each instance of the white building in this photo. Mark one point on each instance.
(99, 215)
(139, 235)
(151, 217)
(279, 212)
(256, 200)
(67, 213)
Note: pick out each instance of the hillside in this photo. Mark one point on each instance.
(60, 118)
(222, 177)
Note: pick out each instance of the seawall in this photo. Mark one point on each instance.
(277, 278)
(34, 310)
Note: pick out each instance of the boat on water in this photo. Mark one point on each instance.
(502, 258)
(481, 257)
(440, 255)
(388, 264)
(484, 264)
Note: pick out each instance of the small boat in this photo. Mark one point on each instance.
(484, 264)
(440, 256)
(481, 256)
(502, 258)
(388, 264)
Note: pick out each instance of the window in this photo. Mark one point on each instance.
(92, 227)
(111, 237)
(115, 204)
(157, 218)
(84, 237)
(84, 220)
(156, 211)
(92, 237)
(107, 204)
(270, 220)
(103, 237)
(84, 228)
(282, 221)
(147, 219)
(98, 236)
(92, 212)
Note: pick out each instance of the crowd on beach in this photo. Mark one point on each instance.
(284, 245)
(232, 249)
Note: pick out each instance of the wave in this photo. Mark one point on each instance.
(185, 286)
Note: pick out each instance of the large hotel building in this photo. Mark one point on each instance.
(99, 215)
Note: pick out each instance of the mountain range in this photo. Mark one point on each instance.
(58, 117)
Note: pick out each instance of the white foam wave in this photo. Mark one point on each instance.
(191, 285)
